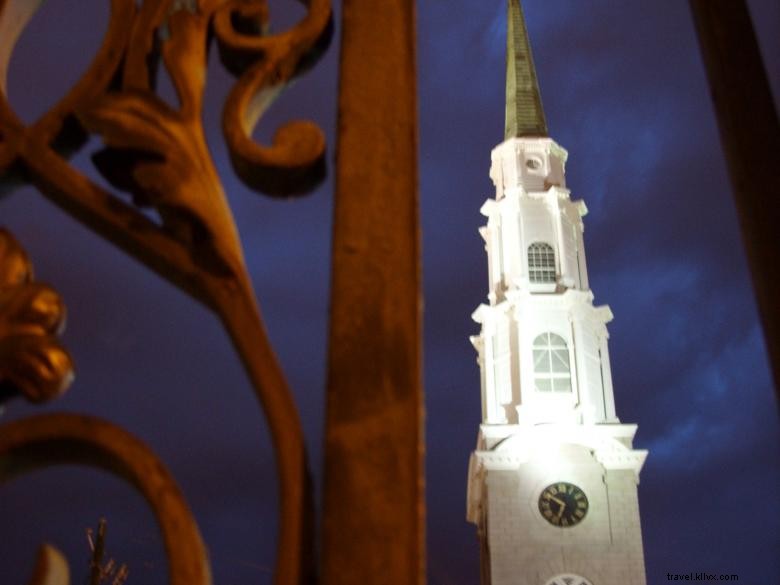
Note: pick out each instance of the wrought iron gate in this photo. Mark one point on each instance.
(158, 155)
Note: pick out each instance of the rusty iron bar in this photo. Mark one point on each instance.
(241, 317)
(750, 134)
(373, 517)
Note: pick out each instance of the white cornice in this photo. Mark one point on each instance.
(506, 447)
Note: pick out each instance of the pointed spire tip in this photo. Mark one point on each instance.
(524, 111)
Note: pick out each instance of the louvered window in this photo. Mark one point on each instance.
(541, 263)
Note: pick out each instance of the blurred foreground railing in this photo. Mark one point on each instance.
(750, 133)
(157, 155)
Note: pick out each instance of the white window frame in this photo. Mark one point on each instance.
(568, 579)
(552, 364)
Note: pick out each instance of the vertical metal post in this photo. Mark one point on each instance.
(373, 519)
(750, 134)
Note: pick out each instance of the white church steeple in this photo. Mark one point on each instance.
(537, 277)
(552, 460)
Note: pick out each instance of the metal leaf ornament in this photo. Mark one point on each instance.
(159, 154)
(32, 361)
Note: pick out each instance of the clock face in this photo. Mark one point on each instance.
(563, 504)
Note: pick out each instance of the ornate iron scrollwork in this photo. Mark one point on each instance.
(33, 363)
(44, 440)
(158, 155)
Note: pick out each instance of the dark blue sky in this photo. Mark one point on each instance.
(625, 93)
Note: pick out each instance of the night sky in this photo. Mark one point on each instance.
(624, 92)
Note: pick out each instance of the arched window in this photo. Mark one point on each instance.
(541, 263)
(551, 364)
(568, 579)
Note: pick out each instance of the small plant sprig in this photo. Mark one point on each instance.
(99, 572)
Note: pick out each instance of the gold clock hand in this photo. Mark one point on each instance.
(560, 512)
(558, 501)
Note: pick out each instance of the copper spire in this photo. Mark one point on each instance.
(524, 113)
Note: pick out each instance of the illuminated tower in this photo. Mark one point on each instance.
(553, 480)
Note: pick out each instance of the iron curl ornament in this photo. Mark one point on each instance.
(157, 155)
(45, 440)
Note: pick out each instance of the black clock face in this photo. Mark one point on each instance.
(563, 504)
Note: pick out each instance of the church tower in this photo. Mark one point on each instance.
(553, 480)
